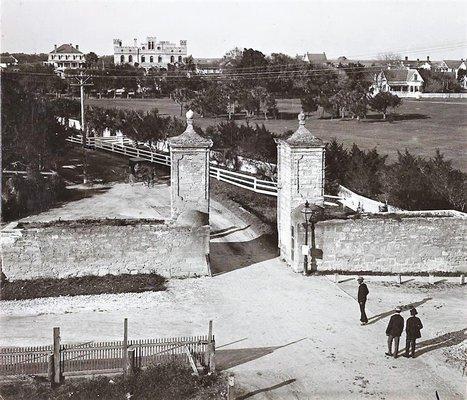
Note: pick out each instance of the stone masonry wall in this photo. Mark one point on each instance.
(415, 244)
(79, 248)
(190, 180)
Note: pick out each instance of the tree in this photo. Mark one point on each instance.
(91, 59)
(182, 97)
(31, 133)
(320, 86)
(213, 100)
(267, 102)
(337, 165)
(389, 57)
(384, 100)
(439, 82)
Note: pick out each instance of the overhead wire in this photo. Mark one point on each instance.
(263, 74)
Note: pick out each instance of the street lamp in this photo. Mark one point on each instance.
(311, 215)
(316, 213)
(306, 211)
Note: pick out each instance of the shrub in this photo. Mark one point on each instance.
(30, 194)
(173, 381)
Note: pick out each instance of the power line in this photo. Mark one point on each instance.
(265, 74)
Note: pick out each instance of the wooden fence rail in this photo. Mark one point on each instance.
(91, 358)
(125, 146)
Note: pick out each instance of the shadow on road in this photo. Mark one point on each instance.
(446, 340)
(268, 389)
(226, 359)
(229, 256)
(376, 318)
(227, 231)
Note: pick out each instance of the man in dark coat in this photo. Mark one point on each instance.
(394, 332)
(362, 295)
(412, 331)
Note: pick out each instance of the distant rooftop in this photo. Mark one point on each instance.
(66, 49)
(316, 57)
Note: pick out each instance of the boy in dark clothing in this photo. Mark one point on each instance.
(362, 295)
(412, 331)
(394, 332)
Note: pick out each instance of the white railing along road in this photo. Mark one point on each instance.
(125, 146)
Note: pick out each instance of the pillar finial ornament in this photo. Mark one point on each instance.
(301, 118)
(189, 117)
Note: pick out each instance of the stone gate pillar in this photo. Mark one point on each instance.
(189, 175)
(300, 178)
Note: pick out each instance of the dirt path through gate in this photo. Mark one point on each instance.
(285, 336)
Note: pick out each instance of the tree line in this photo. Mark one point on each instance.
(411, 182)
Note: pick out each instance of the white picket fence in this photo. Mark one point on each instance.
(126, 147)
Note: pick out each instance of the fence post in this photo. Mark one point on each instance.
(462, 279)
(399, 279)
(50, 368)
(254, 184)
(431, 279)
(231, 387)
(125, 345)
(210, 351)
(131, 361)
(56, 357)
(336, 278)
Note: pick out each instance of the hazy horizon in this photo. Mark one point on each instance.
(356, 29)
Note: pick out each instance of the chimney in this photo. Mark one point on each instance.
(406, 58)
(77, 47)
(55, 47)
(135, 42)
(428, 58)
(418, 59)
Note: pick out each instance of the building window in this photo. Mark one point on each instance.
(179, 59)
(130, 58)
(159, 59)
(151, 59)
(143, 59)
(122, 58)
(172, 59)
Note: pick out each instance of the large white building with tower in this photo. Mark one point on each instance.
(151, 53)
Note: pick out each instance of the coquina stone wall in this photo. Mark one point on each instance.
(77, 248)
(413, 242)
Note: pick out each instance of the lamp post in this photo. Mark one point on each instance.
(311, 215)
(315, 214)
(306, 211)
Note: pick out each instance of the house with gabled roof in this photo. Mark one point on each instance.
(65, 57)
(403, 82)
(315, 58)
(7, 60)
(452, 66)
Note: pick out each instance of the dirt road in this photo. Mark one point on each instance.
(283, 335)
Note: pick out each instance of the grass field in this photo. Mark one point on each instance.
(420, 126)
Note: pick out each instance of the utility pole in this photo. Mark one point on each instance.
(82, 79)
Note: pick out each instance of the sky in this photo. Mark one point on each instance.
(356, 29)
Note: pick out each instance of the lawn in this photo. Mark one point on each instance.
(420, 126)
